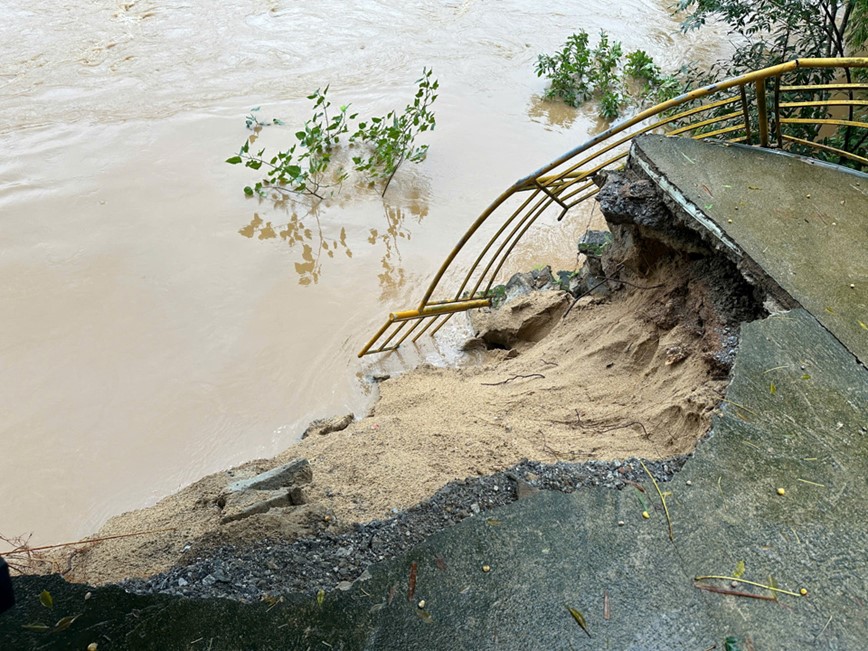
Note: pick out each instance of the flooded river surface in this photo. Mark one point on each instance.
(157, 325)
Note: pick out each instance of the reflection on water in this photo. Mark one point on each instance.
(314, 244)
(393, 276)
(551, 112)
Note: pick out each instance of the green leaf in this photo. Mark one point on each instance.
(731, 644)
(46, 599)
(580, 619)
(772, 388)
(248, 190)
(739, 570)
(234, 160)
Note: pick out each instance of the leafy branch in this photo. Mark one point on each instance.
(305, 167)
(301, 169)
(391, 138)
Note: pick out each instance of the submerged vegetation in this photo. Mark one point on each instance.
(578, 73)
(306, 167)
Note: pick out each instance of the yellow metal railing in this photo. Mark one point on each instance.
(737, 110)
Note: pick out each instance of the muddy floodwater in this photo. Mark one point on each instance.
(157, 325)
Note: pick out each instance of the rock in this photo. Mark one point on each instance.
(594, 243)
(243, 505)
(297, 496)
(626, 199)
(676, 354)
(524, 283)
(641, 224)
(183, 582)
(524, 490)
(297, 471)
(325, 426)
(209, 580)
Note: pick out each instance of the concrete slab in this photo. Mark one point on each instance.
(794, 418)
(802, 223)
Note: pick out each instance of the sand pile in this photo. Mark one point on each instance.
(634, 374)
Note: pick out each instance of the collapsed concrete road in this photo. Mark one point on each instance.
(760, 545)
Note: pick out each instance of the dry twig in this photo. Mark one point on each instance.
(662, 499)
(625, 426)
(514, 377)
(734, 593)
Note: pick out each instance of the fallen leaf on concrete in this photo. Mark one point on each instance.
(580, 619)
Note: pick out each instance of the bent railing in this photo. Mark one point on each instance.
(760, 108)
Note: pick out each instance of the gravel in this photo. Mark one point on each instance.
(331, 559)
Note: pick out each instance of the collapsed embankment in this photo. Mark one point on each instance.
(624, 360)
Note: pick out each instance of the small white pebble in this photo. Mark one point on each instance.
(421, 603)
(733, 584)
(689, 483)
(620, 523)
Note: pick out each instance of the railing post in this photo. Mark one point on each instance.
(745, 110)
(778, 133)
(762, 112)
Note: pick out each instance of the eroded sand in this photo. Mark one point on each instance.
(620, 377)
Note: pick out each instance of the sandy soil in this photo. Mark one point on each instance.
(618, 377)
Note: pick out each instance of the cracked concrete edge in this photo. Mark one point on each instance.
(692, 216)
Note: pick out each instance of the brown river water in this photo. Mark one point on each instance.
(157, 325)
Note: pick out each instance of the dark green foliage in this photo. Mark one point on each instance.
(776, 31)
(497, 294)
(579, 73)
(641, 66)
(568, 71)
(779, 30)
